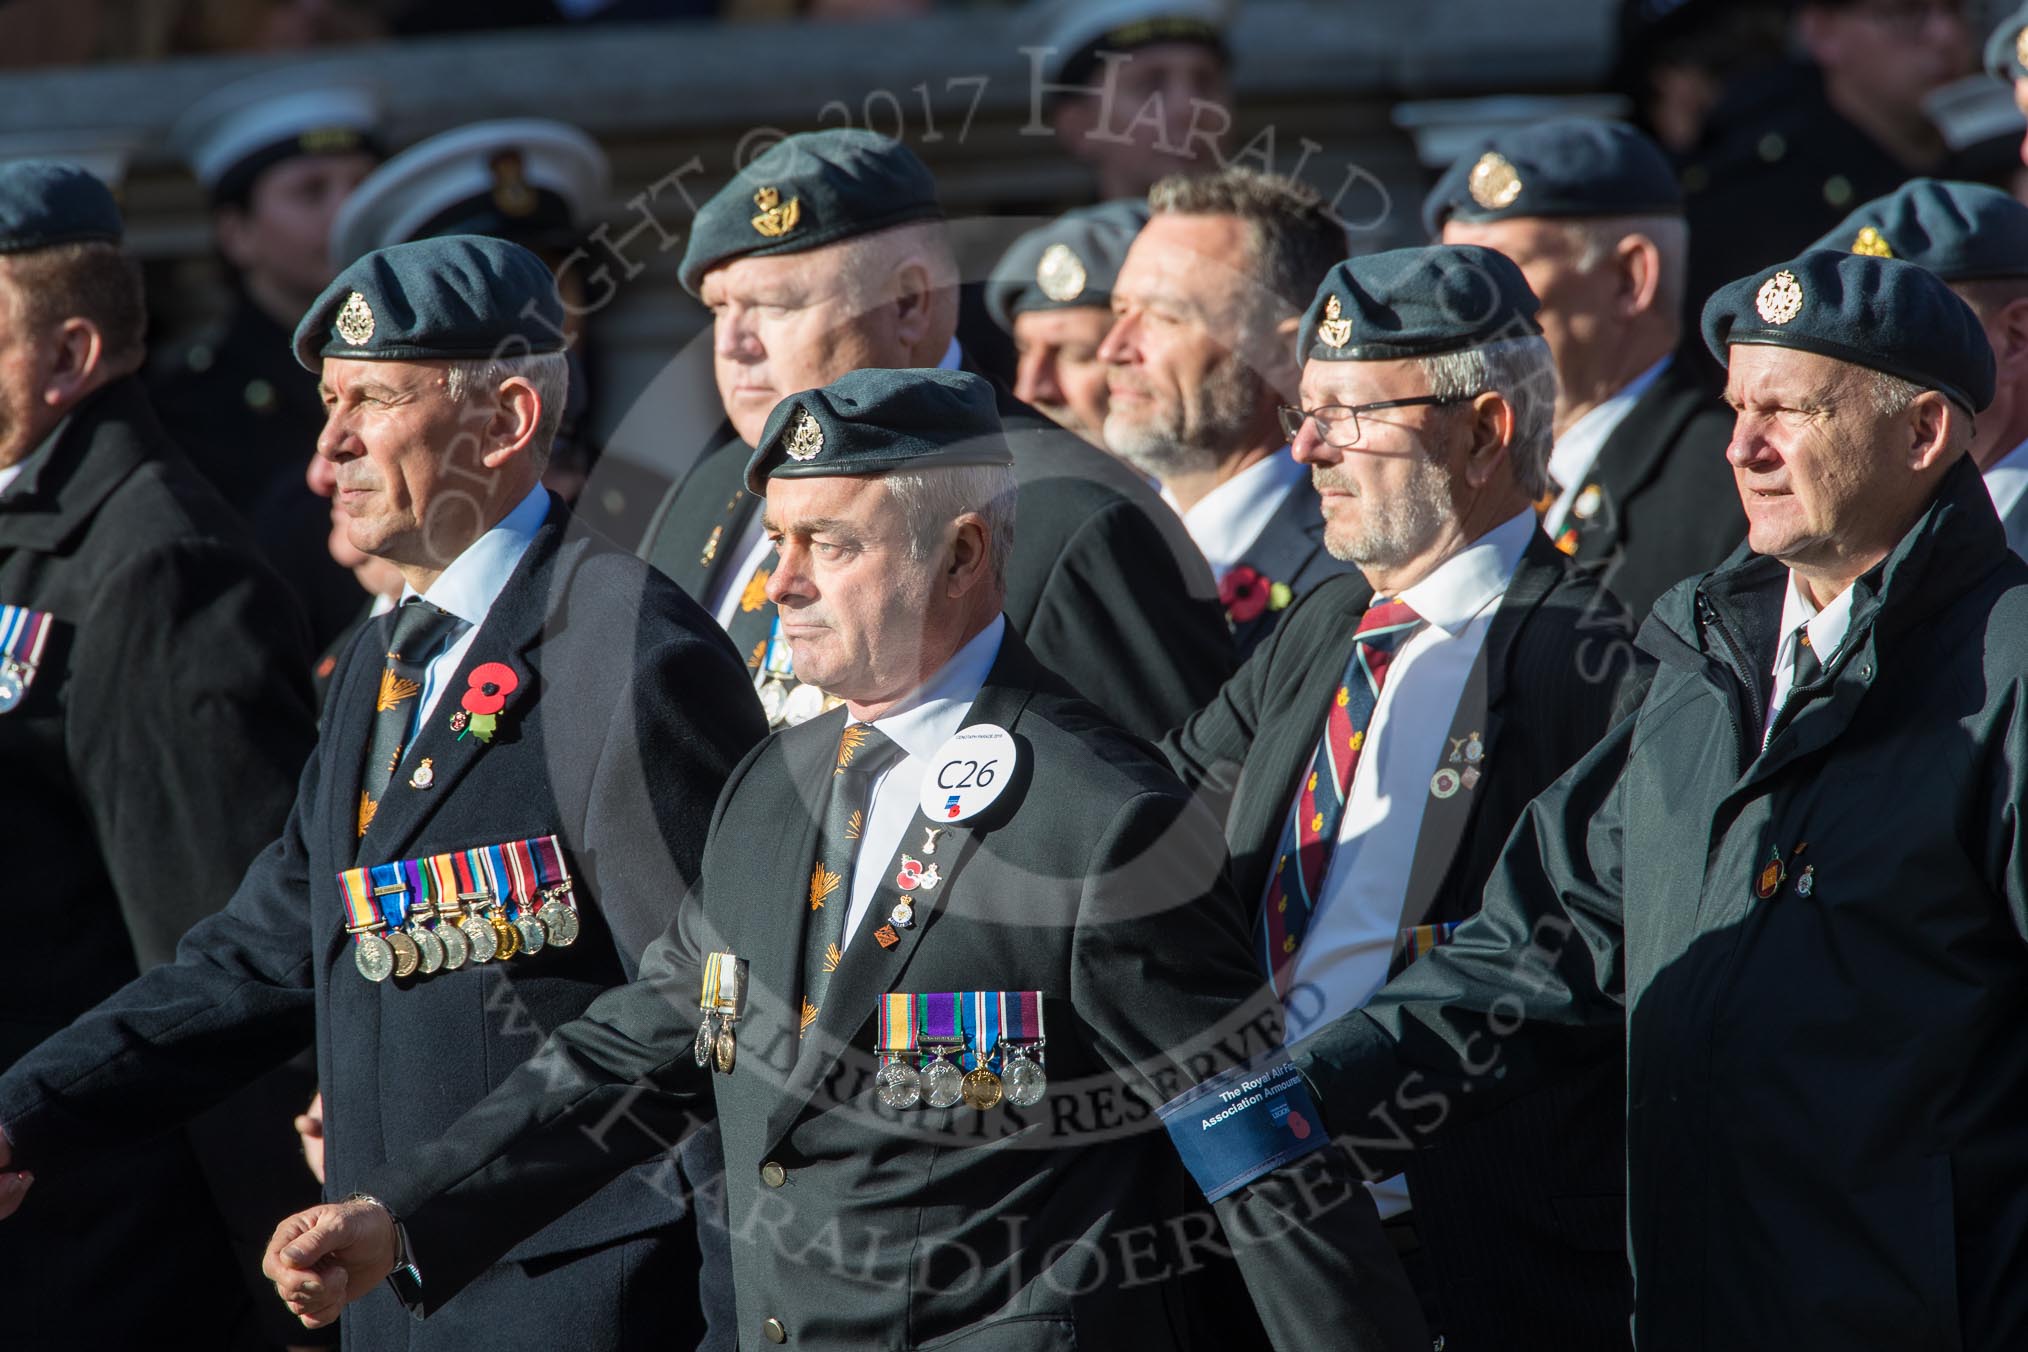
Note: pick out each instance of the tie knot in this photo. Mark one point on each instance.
(864, 750)
(1388, 613)
(419, 628)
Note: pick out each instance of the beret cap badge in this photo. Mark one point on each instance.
(1780, 298)
(512, 192)
(1872, 243)
(806, 438)
(355, 320)
(1333, 329)
(1061, 273)
(776, 217)
(1493, 183)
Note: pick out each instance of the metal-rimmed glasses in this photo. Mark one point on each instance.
(1339, 423)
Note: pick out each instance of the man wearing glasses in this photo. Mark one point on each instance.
(1374, 751)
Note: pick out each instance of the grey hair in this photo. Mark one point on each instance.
(1890, 395)
(548, 372)
(933, 497)
(1520, 371)
(1593, 239)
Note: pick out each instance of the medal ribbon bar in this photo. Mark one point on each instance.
(362, 912)
(24, 633)
(897, 1029)
(986, 1008)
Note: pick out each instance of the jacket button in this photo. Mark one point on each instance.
(774, 1331)
(774, 1176)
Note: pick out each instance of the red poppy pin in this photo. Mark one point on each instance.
(1245, 594)
(486, 692)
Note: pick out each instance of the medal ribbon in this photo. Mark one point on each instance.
(714, 973)
(897, 1023)
(550, 870)
(502, 873)
(361, 912)
(442, 871)
(23, 634)
(986, 1008)
(1021, 1016)
(393, 902)
(771, 664)
(939, 1018)
(521, 867)
(473, 880)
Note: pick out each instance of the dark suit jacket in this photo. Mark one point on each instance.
(1522, 1219)
(1094, 880)
(2016, 525)
(1290, 550)
(1668, 508)
(154, 754)
(630, 709)
(1104, 583)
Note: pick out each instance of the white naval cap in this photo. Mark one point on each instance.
(531, 180)
(1077, 30)
(232, 135)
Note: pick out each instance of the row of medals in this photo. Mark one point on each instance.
(715, 1042)
(787, 705)
(475, 937)
(940, 1084)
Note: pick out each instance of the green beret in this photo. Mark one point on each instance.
(1880, 313)
(456, 296)
(48, 202)
(1573, 166)
(807, 191)
(2006, 48)
(1959, 231)
(878, 422)
(1070, 263)
(1417, 303)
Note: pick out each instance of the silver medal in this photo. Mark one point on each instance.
(943, 1084)
(457, 948)
(484, 940)
(707, 1040)
(532, 937)
(1026, 1084)
(373, 958)
(561, 921)
(898, 1084)
(429, 948)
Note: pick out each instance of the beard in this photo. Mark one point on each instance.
(1191, 435)
(1390, 535)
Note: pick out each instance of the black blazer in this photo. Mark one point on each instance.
(1290, 551)
(1104, 583)
(1522, 1218)
(1668, 505)
(630, 709)
(153, 756)
(1095, 880)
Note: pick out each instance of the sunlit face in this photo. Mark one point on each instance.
(283, 233)
(784, 324)
(411, 488)
(1387, 498)
(1058, 368)
(1577, 303)
(854, 607)
(1814, 461)
(25, 366)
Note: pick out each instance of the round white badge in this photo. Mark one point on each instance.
(968, 773)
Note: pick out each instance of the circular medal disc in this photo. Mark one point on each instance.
(773, 696)
(407, 957)
(561, 921)
(1025, 1083)
(726, 1050)
(982, 1090)
(804, 703)
(457, 948)
(898, 1084)
(943, 1084)
(430, 948)
(510, 938)
(532, 937)
(484, 940)
(10, 693)
(373, 958)
(707, 1037)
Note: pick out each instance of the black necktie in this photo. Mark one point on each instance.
(420, 631)
(1808, 668)
(863, 752)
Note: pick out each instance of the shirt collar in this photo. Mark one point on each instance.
(1827, 626)
(928, 718)
(1474, 578)
(475, 579)
(954, 360)
(2008, 480)
(1576, 451)
(1225, 522)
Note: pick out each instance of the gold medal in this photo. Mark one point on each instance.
(727, 1050)
(509, 937)
(981, 1089)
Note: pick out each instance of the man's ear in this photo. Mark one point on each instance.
(510, 429)
(77, 354)
(970, 555)
(1638, 262)
(914, 302)
(1492, 433)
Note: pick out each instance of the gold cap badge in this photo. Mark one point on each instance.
(806, 439)
(1871, 243)
(1335, 332)
(1493, 183)
(776, 217)
(1780, 298)
(355, 320)
(1060, 273)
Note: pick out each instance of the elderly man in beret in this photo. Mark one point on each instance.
(1794, 878)
(1052, 291)
(505, 804)
(1427, 392)
(1976, 239)
(921, 949)
(154, 715)
(1591, 212)
(830, 254)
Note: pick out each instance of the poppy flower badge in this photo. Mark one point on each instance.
(486, 692)
(1247, 594)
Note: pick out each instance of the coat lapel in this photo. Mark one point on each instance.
(64, 480)
(1633, 455)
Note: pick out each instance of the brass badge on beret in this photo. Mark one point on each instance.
(806, 439)
(1871, 243)
(1493, 183)
(1780, 298)
(329, 141)
(1060, 273)
(355, 320)
(511, 190)
(1335, 332)
(776, 217)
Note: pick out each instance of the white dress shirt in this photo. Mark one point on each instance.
(1576, 451)
(754, 546)
(1225, 522)
(918, 725)
(1827, 630)
(2006, 481)
(468, 588)
(10, 474)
